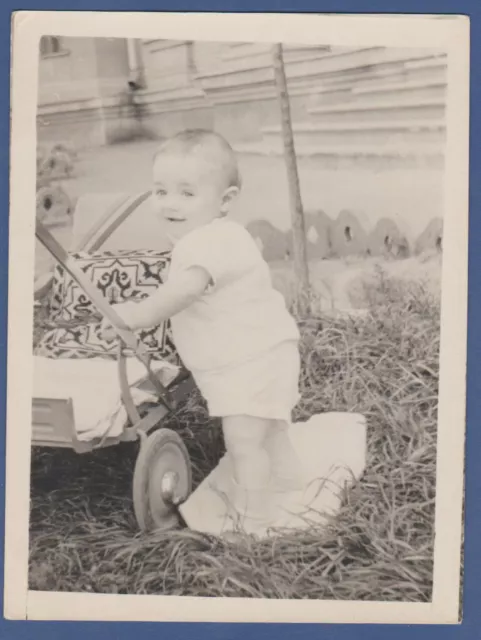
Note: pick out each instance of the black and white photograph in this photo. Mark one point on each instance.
(201, 206)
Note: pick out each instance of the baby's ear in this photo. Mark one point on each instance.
(229, 196)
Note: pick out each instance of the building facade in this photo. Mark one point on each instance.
(346, 102)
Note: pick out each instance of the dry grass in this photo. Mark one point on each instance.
(83, 535)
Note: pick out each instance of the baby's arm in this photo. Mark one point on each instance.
(176, 294)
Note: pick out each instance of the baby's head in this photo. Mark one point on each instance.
(196, 178)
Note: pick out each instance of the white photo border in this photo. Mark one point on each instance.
(449, 33)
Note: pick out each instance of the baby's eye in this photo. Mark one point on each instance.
(161, 192)
(187, 193)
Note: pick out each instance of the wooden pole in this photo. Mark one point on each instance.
(301, 266)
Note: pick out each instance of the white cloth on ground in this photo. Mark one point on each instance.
(93, 386)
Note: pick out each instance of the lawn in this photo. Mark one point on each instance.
(83, 535)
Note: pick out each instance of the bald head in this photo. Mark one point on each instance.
(208, 147)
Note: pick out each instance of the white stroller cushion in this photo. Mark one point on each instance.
(93, 386)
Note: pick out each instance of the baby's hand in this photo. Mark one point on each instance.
(107, 331)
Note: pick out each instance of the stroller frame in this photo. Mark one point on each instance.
(162, 476)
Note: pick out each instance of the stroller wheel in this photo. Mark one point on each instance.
(162, 480)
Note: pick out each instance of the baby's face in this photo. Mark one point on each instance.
(188, 193)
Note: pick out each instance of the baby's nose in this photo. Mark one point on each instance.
(170, 202)
(169, 210)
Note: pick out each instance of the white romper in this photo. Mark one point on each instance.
(238, 340)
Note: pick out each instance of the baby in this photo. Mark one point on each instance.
(230, 326)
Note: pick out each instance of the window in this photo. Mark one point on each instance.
(50, 45)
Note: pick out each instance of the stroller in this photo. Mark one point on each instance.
(162, 476)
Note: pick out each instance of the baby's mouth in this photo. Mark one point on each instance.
(172, 219)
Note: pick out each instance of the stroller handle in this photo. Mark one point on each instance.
(125, 334)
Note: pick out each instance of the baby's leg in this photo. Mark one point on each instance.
(244, 438)
(285, 465)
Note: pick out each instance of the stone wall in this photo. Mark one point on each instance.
(347, 236)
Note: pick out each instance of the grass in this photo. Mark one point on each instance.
(83, 535)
